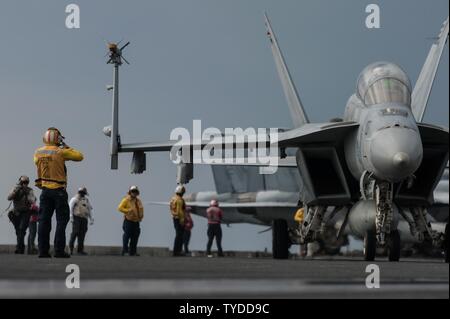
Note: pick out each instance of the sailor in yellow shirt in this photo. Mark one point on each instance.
(299, 218)
(177, 209)
(133, 210)
(52, 179)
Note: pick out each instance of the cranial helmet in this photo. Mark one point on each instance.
(214, 203)
(24, 180)
(53, 136)
(83, 190)
(180, 190)
(134, 189)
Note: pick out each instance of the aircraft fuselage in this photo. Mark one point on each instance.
(387, 142)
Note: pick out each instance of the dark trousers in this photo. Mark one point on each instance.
(32, 236)
(214, 231)
(179, 233)
(79, 230)
(20, 223)
(186, 240)
(52, 200)
(131, 232)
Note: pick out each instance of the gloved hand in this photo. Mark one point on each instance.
(71, 220)
(92, 222)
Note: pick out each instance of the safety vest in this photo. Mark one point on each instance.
(177, 208)
(51, 168)
(188, 223)
(300, 215)
(23, 198)
(82, 207)
(131, 208)
(214, 215)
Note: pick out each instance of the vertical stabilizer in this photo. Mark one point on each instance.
(298, 113)
(424, 85)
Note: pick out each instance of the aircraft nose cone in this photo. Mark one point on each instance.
(401, 160)
(395, 153)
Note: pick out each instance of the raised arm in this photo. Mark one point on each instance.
(71, 154)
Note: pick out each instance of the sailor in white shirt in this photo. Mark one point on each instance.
(80, 212)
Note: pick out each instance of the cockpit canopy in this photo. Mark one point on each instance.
(384, 82)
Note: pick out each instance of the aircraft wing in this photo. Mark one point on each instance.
(147, 147)
(316, 133)
(306, 134)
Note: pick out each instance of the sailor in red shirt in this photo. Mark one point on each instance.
(188, 225)
(32, 230)
(215, 215)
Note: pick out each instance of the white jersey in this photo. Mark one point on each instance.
(80, 207)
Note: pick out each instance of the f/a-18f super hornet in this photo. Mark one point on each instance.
(246, 196)
(378, 162)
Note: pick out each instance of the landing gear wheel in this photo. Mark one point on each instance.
(394, 246)
(370, 246)
(280, 239)
(446, 244)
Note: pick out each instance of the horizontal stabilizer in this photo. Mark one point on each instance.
(231, 205)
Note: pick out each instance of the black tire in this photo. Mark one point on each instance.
(370, 246)
(394, 246)
(280, 239)
(446, 244)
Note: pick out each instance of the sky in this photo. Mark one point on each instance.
(190, 59)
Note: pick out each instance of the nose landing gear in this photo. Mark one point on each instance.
(382, 235)
(385, 211)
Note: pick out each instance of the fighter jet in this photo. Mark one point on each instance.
(378, 161)
(248, 197)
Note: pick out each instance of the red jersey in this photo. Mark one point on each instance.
(188, 222)
(214, 215)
